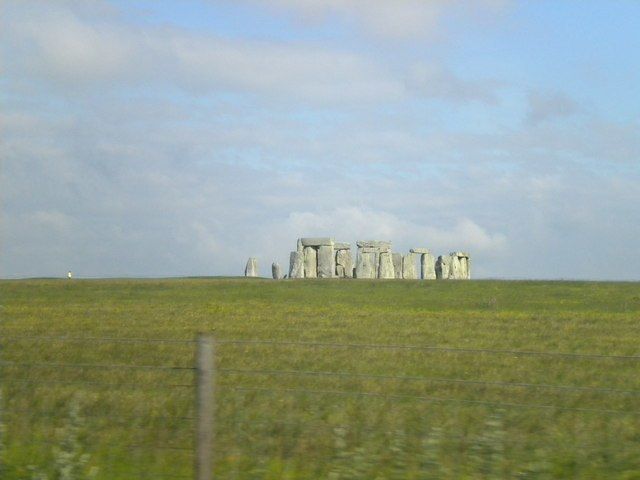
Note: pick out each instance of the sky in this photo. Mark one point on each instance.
(170, 138)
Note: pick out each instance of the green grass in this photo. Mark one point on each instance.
(298, 426)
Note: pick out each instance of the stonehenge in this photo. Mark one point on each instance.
(322, 257)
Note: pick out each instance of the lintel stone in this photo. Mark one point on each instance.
(317, 241)
(373, 244)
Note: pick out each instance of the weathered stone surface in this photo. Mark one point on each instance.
(365, 265)
(420, 250)
(376, 249)
(385, 268)
(341, 246)
(344, 263)
(310, 262)
(296, 265)
(442, 268)
(396, 258)
(316, 241)
(251, 270)
(455, 267)
(460, 266)
(275, 271)
(326, 262)
(373, 244)
(409, 267)
(299, 246)
(427, 267)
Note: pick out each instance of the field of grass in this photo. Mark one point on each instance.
(455, 413)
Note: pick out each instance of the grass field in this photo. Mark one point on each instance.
(455, 414)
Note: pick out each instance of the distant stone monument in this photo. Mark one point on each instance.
(251, 270)
(322, 257)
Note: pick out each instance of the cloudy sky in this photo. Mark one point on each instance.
(162, 138)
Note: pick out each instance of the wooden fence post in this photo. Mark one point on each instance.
(204, 408)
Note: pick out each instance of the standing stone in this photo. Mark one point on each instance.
(299, 246)
(365, 265)
(442, 268)
(347, 263)
(459, 266)
(310, 262)
(409, 267)
(427, 267)
(344, 264)
(396, 258)
(275, 271)
(251, 270)
(385, 269)
(455, 268)
(326, 261)
(296, 265)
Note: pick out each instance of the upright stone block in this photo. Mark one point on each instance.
(251, 269)
(275, 271)
(396, 258)
(310, 262)
(455, 268)
(459, 266)
(427, 267)
(296, 265)
(385, 268)
(326, 262)
(442, 268)
(365, 263)
(409, 267)
(344, 264)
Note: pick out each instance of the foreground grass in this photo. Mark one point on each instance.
(129, 423)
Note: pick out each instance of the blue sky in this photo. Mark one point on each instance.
(163, 138)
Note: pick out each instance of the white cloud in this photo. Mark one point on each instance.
(398, 19)
(60, 47)
(357, 223)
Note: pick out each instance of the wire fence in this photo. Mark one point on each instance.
(94, 407)
(109, 407)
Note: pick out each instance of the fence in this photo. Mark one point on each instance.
(144, 408)
(105, 407)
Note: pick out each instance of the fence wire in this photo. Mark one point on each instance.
(156, 414)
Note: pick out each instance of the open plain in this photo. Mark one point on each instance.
(323, 379)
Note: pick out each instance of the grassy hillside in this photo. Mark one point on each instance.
(453, 413)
